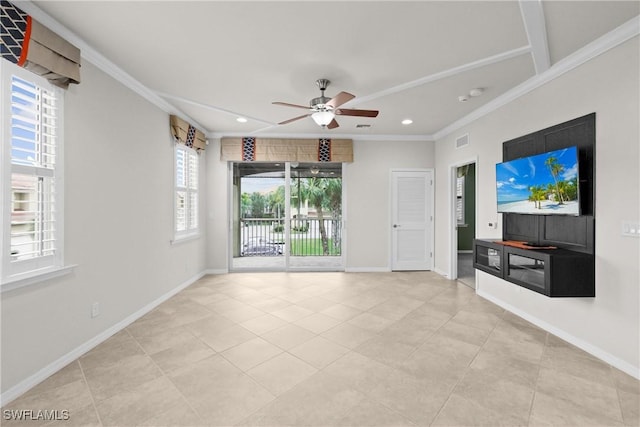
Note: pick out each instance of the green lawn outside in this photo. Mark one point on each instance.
(304, 247)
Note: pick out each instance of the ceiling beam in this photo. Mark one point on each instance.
(534, 24)
(212, 108)
(442, 75)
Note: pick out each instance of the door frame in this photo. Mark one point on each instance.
(453, 222)
(287, 232)
(431, 201)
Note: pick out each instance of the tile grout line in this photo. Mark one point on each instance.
(164, 374)
(468, 368)
(93, 400)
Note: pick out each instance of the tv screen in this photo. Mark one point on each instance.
(544, 184)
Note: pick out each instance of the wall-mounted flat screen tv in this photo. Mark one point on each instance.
(544, 184)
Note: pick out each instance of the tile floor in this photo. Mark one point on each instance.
(334, 349)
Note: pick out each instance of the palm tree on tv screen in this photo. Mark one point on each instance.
(556, 169)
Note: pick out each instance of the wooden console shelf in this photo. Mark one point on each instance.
(551, 272)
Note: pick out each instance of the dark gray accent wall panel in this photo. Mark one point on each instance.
(569, 232)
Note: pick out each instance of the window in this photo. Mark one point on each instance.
(186, 191)
(32, 174)
(460, 200)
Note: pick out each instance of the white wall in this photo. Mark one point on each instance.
(607, 325)
(369, 196)
(367, 204)
(217, 210)
(118, 226)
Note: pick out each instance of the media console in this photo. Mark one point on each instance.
(559, 260)
(551, 272)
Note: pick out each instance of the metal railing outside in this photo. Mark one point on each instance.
(266, 237)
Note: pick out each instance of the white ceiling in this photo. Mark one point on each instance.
(215, 61)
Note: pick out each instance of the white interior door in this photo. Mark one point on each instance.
(412, 219)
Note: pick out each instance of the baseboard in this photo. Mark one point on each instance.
(44, 373)
(612, 360)
(441, 272)
(367, 270)
(216, 271)
(465, 251)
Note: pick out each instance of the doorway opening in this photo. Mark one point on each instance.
(465, 222)
(286, 216)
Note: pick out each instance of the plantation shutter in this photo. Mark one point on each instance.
(186, 216)
(460, 200)
(34, 125)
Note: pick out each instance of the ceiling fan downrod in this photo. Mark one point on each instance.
(321, 100)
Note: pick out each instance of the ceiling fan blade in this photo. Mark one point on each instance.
(286, 104)
(294, 119)
(340, 99)
(359, 113)
(333, 124)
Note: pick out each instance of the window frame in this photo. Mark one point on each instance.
(17, 274)
(190, 188)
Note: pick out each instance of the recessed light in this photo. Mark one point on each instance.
(241, 120)
(407, 121)
(476, 92)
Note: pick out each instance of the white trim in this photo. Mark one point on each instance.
(442, 75)
(355, 137)
(453, 220)
(610, 40)
(44, 373)
(33, 277)
(216, 271)
(213, 108)
(607, 357)
(92, 55)
(367, 270)
(26, 272)
(534, 25)
(442, 273)
(185, 238)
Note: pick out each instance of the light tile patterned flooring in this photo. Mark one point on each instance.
(334, 349)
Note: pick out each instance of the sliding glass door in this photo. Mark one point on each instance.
(286, 216)
(315, 216)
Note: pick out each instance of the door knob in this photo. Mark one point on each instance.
(395, 226)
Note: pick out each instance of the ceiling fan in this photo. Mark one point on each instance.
(323, 110)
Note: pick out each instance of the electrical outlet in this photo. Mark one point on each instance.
(95, 309)
(630, 228)
(493, 225)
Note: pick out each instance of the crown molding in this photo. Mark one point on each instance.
(442, 75)
(614, 38)
(93, 56)
(610, 40)
(355, 137)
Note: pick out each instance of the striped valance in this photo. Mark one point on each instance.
(185, 133)
(250, 149)
(31, 45)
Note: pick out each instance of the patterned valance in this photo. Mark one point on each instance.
(33, 46)
(250, 149)
(185, 133)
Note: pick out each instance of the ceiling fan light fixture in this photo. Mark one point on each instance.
(407, 121)
(323, 118)
(241, 120)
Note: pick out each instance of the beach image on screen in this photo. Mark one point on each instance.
(544, 184)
